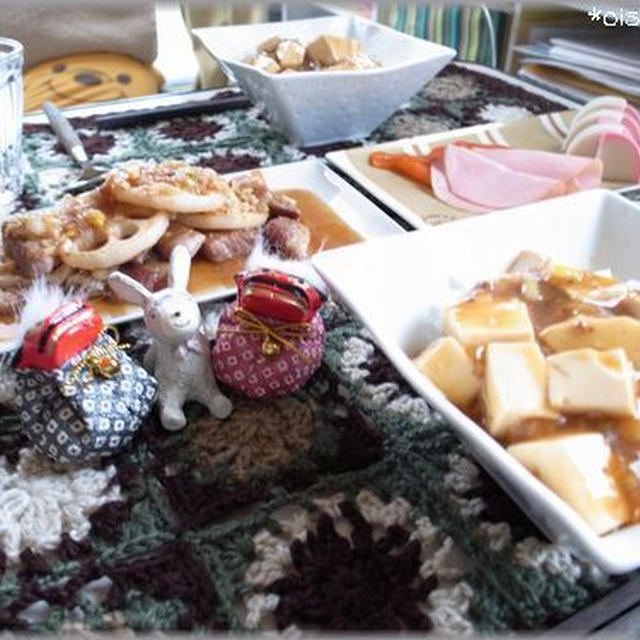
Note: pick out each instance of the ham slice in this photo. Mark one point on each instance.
(576, 172)
(442, 191)
(480, 180)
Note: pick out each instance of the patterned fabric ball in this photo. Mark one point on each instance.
(88, 418)
(239, 360)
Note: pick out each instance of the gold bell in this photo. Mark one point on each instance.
(270, 347)
(106, 366)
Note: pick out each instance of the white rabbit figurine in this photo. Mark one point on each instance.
(179, 356)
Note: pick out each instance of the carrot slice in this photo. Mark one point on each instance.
(415, 167)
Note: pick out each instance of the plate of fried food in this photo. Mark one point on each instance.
(525, 335)
(144, 209)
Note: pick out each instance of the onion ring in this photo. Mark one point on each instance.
(125, 239)
(171, 186)
(225, 221)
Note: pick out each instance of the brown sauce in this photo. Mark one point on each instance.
(327, 231)
(556, 305)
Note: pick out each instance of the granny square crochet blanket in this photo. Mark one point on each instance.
(350, 505)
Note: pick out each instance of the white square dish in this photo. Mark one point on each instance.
(410, 279)
(317, 107)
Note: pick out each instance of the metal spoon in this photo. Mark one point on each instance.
(69, 139)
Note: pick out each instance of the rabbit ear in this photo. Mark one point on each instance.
(128, 289)
(179, 266)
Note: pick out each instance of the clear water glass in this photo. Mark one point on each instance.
(11, 56)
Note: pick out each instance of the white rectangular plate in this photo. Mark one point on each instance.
(311, 175)
(399, 286)
(416, 203)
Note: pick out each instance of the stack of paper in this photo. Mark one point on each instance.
(586, 65)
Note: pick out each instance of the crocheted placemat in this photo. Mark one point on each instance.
(350, 505)
(242, 139)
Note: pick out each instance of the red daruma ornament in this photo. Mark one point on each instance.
(271, 339)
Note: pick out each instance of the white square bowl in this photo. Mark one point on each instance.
(399, 286)
(318, 107)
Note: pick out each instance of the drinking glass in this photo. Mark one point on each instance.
(11, 55)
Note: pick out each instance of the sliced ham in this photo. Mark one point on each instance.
(576, 172)
(442, 191)
(480, 180)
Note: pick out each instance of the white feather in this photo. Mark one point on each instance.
(209, 327)
(40, 300)
(260, 258)
(7, 381)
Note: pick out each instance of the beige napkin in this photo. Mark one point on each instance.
(55, 28)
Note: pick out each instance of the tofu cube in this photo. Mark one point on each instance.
(343, 65)
(269, 45)
(530, 263)
(580, 284)
(484, 319)
(610, 332)
(265, 63)
(575, 467)
(629, 428)
(447, 365)
(587, 380)
(358, 62)
(290, 54)
(515, 386)
(328, 50)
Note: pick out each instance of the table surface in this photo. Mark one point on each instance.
(463, 95)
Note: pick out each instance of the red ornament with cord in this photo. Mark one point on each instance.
(270, 341)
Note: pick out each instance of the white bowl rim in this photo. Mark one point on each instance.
(439, 50)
